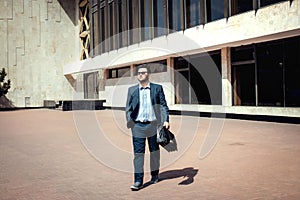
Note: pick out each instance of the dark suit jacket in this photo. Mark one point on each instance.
(158, 100)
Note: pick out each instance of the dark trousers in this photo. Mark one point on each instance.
(140, 132)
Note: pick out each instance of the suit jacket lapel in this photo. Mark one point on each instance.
(136, 96)
(152, 95)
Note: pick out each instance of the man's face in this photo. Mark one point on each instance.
(143, 75)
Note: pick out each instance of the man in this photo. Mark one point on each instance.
(146, 108)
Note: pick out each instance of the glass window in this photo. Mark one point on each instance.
(203, 66)
(243, 76)
(182, 80)
(175, 15)
(119, 72)
(190, 83)
(275, 71)
(91, 85)
(292, 71)
(268, 2)
(112, 73)
(122, 23)
(103, 27)
(181, 63)
(134, 21)
(156, 67)
(270, 74)
(214, 9)
(123, 72)
(192, 13)
(240, 6)
(95, 30)
(146, 8)
(112, 23)
(159, 7)
(94, 2)
(242, 53)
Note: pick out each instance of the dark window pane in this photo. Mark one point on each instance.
(134, 21)
(215, 9)
(278, 82)
(159, 7)
(243, 75)
(175, 12)
(200, 93)
(119, 72)
(203, 66)
(156, 67)
(216, 58)
(112, 23)
(270, 74)
(95, 31)
(182, 87)
(103, 28)
(240, 6)
(123, 72)
(91, 85)
(292, 71)
(268, 2)
(181, 63)
(94, 2)
(123, 23)
(181, 80)
(244, 85)
(242, 53)
(145, 19)
(192, 13)
(191, 79)
(112, 73)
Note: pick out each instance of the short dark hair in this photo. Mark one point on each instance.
(147, 66)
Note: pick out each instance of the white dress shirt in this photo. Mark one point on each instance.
(146, 112)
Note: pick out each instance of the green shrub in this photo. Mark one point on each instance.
(4, 85)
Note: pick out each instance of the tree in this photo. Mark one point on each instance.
(4, 86)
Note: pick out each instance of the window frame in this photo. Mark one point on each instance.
(116, 72)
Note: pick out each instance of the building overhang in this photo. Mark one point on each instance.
(173, 45)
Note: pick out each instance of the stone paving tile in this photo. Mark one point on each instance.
(43, 157)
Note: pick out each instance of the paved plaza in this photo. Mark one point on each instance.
(51, 154)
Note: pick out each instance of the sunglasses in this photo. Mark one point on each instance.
(142, 73)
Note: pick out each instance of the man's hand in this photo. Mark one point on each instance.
(166, 125)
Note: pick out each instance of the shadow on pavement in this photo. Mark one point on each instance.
(188, 173)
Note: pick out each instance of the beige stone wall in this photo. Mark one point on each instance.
(37, 38)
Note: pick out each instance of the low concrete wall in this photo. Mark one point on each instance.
(83, 105)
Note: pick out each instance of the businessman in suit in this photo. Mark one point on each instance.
(146, 108)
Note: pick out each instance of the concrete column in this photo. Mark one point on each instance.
(226, 77)
(170, 68)
(132, 70)
(78, 94)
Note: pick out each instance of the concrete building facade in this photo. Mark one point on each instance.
(37, 38)
(231, 56)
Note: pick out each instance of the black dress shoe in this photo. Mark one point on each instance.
(136, 186)
(154, 179)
